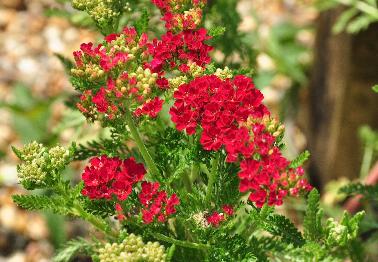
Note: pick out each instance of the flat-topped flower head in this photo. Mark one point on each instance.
(106, 177)
(132, 248)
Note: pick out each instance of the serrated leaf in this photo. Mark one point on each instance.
(141, 25)
(368, 191)
(70, 249)
(217, 31)
(312, 222)
(299, 160)
(281, 226)
(37, 202)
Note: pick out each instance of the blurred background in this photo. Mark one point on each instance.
(316, 62)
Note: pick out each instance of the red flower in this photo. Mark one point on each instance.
(156, 204)
(151, 108)
(228, 209)
(105, 177)
(215, 219)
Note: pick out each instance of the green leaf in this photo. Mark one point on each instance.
(299, 160)
(67, 63)
(281, 226)
(343, 20)
(70, 249)
(375, 88)
(141, 25)
(312, 222)
(46, 203)
(368, 191)
(17, 152)
(217, 31)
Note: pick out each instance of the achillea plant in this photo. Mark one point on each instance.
(204, 140)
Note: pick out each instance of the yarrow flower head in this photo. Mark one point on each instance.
(180, 15)
(104, 12)
(111, 68)
(40, 165)
(132, 248)
(229, 114)
(156, 203)
(106, 177)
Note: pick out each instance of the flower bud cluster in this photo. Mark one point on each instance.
(181, 15)
(40, 164)
(102, 11)
(145, 79)
(174, 83)
(337, 234)
(132, 248)
(223, 73)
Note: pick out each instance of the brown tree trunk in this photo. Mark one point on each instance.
(341, 99)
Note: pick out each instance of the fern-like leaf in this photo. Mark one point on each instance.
(299, 160)
(37, 202)
(312, 221)
(71, 248)
(368, 191)
(281, 226)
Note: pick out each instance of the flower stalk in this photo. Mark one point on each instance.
(152, 168)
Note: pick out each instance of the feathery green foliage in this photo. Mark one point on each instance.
(40, 202)
(299, 160)
(71, 248)
(312, 222)
(368, 191)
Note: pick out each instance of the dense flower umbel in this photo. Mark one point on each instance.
(216, 218)
(102, 11)
(156, 203)
(132, 249)
(175, 51)
(181, 15)
(117, 81)
(40, 164)
(107, 177)
(231, 115)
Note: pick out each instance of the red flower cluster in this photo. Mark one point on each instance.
(156, 203)
(110, 55)
(97, 64)
(231, 115)
(150, 108)
(180, 15)
(216, 218)
(176, 50)
(107, 177)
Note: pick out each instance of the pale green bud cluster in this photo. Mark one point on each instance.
(200, 219)
(92, 71)
(132, 249)
(145, 79)
(223, 73)
(102, 11)
(174, 83)
(40, 163)
(195, 70)
(337, 233)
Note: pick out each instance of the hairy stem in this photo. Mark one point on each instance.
(212, 177)
(96, 222)
(181, 243)
(152, 169)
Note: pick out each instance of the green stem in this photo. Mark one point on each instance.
(366, 161)
(181, 243)
(96, 222)
(212, 177)
(153, 170)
